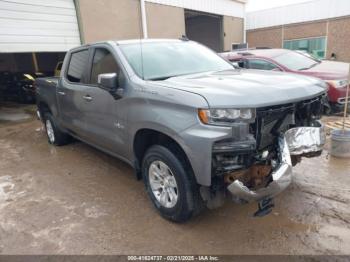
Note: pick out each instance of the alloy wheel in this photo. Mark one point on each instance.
(49, 131)
(163, 184)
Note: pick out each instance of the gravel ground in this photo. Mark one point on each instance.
(77, 200)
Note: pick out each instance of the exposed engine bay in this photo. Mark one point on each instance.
(261, 154)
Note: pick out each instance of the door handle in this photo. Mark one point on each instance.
(61, 93)
(87, 98)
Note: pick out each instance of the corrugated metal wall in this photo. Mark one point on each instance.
(221, 7)
(38, 26)
(303, 12)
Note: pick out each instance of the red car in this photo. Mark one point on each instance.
(334, 73)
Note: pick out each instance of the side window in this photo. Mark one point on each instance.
(261, 64)
(103, 63)
(77, 66)
(242, 63)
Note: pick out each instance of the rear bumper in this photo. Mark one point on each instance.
(297, 142)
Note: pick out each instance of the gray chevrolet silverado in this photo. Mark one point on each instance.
(195, 129)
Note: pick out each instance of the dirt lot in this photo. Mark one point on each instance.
(77, 200)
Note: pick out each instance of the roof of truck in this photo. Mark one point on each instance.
(131, 41)
(149, 40)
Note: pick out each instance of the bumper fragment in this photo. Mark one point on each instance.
(305, 140)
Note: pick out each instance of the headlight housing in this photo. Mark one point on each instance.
(338, 83)
(226, 117)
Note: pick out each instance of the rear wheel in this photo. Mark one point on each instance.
(54, 134)
(170, 184)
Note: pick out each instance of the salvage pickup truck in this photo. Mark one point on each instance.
(195, 129)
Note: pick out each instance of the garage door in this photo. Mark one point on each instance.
(38, 26)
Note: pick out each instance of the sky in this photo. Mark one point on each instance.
(255, 5)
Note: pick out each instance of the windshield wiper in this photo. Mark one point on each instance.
(307, 68)
(161, 78)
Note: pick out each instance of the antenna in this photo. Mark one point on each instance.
(142, 67)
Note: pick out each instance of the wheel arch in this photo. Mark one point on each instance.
(146, 137)
(43, 108)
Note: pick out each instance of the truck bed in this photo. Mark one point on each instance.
(46, 91)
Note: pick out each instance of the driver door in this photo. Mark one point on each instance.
(101, 113)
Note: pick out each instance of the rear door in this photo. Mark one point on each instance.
(71, 91)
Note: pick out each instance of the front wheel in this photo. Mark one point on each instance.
(170, 184)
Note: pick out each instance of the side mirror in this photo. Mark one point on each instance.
(108, 81)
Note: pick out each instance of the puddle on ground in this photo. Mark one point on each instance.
(6, 188)
(14, 116)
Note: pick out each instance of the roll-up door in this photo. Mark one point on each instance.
(38, 26)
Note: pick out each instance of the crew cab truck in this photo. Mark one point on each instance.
(195, 129)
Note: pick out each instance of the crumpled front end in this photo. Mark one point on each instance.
(257, 163)
(284, 135)
(301, 141)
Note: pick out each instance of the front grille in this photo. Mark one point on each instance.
(270, 122)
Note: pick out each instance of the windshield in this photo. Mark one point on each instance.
(295, 61)
(162, 60)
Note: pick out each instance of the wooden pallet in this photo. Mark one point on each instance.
(338, 124)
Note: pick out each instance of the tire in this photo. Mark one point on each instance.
(54, 135)
(188, 200)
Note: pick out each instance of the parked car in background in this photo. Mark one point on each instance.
(334, 73)
(307, 54)
(18, 87)
(193, 127)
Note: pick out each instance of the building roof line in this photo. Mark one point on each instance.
(298, 13)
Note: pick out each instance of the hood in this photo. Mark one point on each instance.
(248, 88)
(329, 70)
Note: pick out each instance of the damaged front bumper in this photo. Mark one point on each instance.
(281, 178)
(296, 142)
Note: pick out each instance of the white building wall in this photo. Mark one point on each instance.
(220, 7)
(38, 26)
(298, 13)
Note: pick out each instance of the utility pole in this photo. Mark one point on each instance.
(35, 62)
(144, 18)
